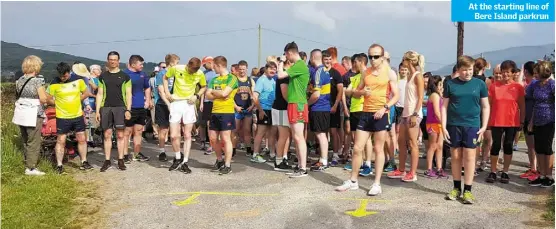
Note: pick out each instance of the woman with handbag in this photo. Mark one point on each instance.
(29, 112)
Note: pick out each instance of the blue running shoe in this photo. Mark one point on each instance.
(366, 171)
(348, 166)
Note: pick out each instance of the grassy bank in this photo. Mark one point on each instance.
(32, 202)
(549, 215)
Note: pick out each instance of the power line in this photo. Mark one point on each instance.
(143, 39)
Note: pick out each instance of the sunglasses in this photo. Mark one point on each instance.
(374, 57)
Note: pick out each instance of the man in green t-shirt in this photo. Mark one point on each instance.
(298, 113)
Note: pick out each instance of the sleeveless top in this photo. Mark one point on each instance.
(430, 110)
(242, 97)
(410, 101)
(379, 86)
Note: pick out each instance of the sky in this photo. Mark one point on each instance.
(230, 29)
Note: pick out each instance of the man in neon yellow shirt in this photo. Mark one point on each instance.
(66, 94)
(181, 103)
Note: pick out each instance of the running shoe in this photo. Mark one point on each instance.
(453, 195)
(141, 157)
(318, 167)
(537, 182)
(121, 164)
(409, 177)
(504, 178)
(334, 162)
(491, 178)
(225, 170)
(209, 151)
(184, 168)
(366, 170)
(516, 148)
(441, 174)
(526, 174)
(59, 169)
(107, 164)
(396, 174)
(375, 190)
(127, 159)
(534, 176)
(389, 167)
(300, 173)
(175, 164)
(283, 166)
(348, 166)
(34, 172)
(258, 159)
(468, 197)
(347, 186)
(162, 157)
(431, 173)
(85, 166)
(217, 166)
(547, 183)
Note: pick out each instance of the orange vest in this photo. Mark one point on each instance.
(380, 89)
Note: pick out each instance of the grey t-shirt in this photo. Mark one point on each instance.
(31, 89)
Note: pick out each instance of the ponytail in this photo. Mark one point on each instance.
(421, 63)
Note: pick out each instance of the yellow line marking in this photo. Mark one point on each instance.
(225, 193)
(362, 199)
(190, 200)
(248, 213)
(362, 210)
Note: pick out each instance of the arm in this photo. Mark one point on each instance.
(396, 94)
(99, 99)
(444, 112)
(222, 94)
(284, 90)
(164, 91)
(128, 98)
(521, 104)
(420, 92)
(340, 95)
(358, 92)
(281, 73)
(314, 97)
(148, 96)
(42, 94)
(252, 94)
(485, 114)
(210, 95)
(49, 99)
(93, 85)
(435, 99)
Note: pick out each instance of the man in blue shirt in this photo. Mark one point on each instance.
(263, 97)
(162, 113)
(206, 106)
(140, 102)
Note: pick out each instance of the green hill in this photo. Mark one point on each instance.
(13, 54)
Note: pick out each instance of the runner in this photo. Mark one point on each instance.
(113, 107)
(162, 113)
(331, 66)
(434, 128)
(347, 103)
(181, 103)
(279, 115)
(263, 97)
(391, 143)
(206, 106)
(297, 102)
(243, 107)
(320, 105)
(532, 173)
(67, 95)
(376, 85)
(411, 117)
(140, 102)
(542, 122)
(479, 73)
(461, 124)
(222, 90)
(508, 114)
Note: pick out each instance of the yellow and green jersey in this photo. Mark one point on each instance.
(67, 98)
(356, 103)
(219, 83)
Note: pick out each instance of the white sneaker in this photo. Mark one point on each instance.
(34, 172)
(347, 186)
(375, 190)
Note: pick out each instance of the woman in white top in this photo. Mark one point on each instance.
(411, 116)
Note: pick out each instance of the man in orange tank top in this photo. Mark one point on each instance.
(376, 85)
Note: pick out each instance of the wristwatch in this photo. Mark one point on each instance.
(415, 114)
(198, 97)
(386, 106)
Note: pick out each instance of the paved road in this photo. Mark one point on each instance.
(147, 195)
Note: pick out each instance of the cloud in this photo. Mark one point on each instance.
(308, 12)
(506, 27)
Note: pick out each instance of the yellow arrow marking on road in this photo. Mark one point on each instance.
(190, 200)
(362, 210)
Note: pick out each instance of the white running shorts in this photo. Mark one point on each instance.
(280, 117)
(182, 112)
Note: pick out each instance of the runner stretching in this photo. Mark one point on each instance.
(222, 90)
(465, 100)
(298, 113)
(376, 85)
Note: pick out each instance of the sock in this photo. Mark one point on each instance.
(178, 155)
(248, 149)
(335, 155)
(467, 187)
(227, 164)
(255, 154)
(286, 156)
(272, 153)
(161, 150)
(324, 161)
(353, 182)
(185, 159)
(457, 185)
(368, 163)
(279, 160)
(234, 151)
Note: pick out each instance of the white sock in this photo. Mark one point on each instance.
(185, 159)
(286, 156)
(279, 160)
(368, 163)
(178, 155)
(161, 150)
(335, 155)
(324, 161)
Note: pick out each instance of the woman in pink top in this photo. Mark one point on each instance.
(434, 128)
(411, 116)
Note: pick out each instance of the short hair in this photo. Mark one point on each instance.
(292, 46)
(529, 67)
(544, 69)
(480, 64)
(62, 68)
(333, 52)
(113, 53)
(509, 64)
(221, 61)
(263, 69)
(270, 65)
(326, 53)
(465, 61)
(160, 63)
(362, 57)
(135, 58)
(427, 75)
(379, 46)
(77, 62)
(95, 66)
(303, 55)
(31, 64)
(242, 63)
(346, 58)
(234, 65)
(254, 71)
(171, 58)
(194, 63)
(455, 69)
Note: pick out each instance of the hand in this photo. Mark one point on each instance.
(170, 98)
(530, 127)
(333, 109)
(480, 134)
(127, 115)
(346, 113)
(367, 91)
(378, 115)
(238, 109)
(192, 99)
(412, 121)
(250, 108)
(97, 117)
(88, 109)
(146, 105)
(446, 135)
(261, 114)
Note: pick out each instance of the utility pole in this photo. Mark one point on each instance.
(460, 39)
(259, 54)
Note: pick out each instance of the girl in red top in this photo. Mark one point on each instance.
(507, 100)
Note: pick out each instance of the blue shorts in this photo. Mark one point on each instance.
(463, 137)
(65, 126)
(392, 117)
(222, 122)
(243, 114)
(367, 122)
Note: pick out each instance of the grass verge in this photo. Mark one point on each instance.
(33, 202)
(549, 214)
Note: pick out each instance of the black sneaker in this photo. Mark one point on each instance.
(234, 152)
(547, 183)
(141, 157)
(225, 170)
(249, 152)
(107, 164)
(491, 178)
(175, 164)
(504, 178)
(162, 157)
(85, 166)
(537, 182)
(59, 169)
(283, 166)
(299, 173)
(217, 166)
(121, 164)
(127, 159)
(184, 168)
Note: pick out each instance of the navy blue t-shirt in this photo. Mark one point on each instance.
(139, 82)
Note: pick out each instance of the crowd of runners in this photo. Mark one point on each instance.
(358, 107)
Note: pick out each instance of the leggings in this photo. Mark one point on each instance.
(544, 135)
(507, 143)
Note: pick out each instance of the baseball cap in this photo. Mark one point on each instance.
(206, 59)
